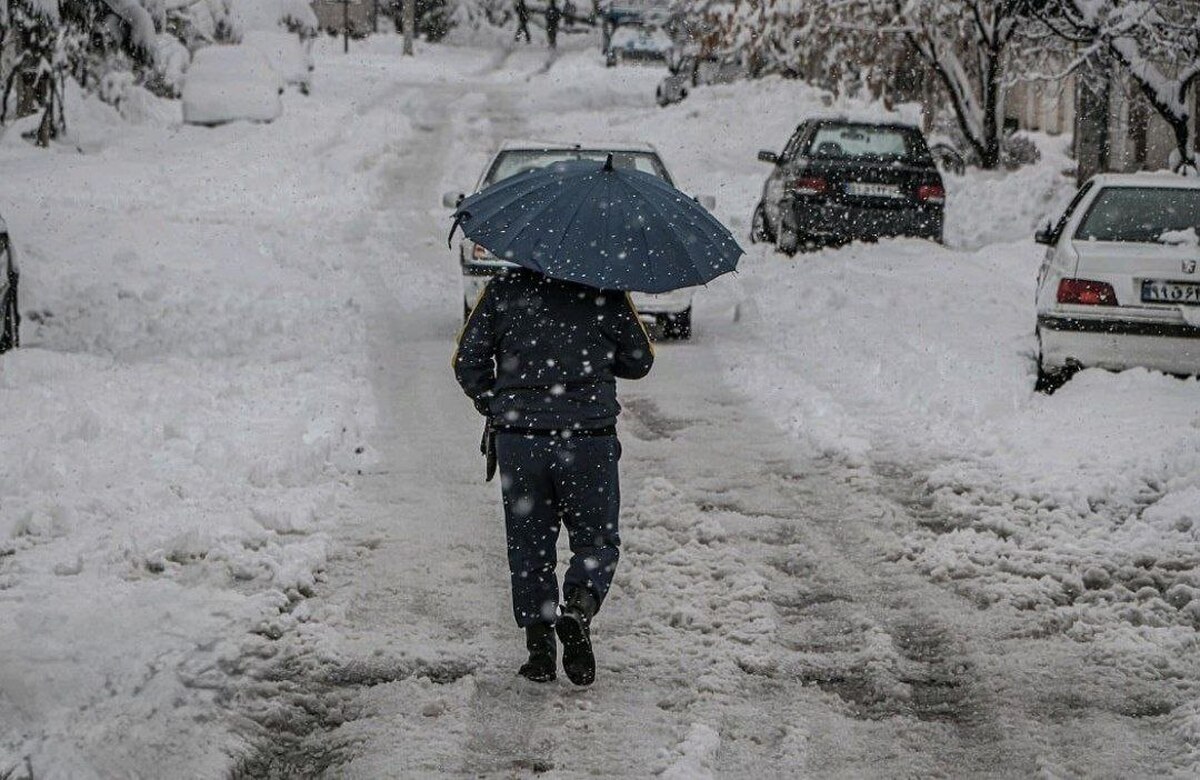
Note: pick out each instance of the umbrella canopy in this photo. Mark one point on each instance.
(611, 228)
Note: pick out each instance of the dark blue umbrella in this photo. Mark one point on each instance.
(611, 228)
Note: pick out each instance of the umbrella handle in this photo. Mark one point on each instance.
(458, 220)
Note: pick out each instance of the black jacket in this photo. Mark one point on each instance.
(542, 354)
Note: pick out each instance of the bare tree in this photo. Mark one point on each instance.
(1157, 43)
(410, 25)
(968, 46)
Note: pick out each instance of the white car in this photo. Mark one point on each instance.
(638, 42)
(1120, 284)
(670, 312)
(10, 316)
(290, 56)
(230, 84)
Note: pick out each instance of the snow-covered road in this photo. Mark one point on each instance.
(773, 615)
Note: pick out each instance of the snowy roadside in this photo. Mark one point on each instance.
(180, 425)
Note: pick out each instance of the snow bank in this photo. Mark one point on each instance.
(917, 362)
(180, 425)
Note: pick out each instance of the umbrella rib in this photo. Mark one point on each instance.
(714, 231)
(512, 200)
(671, 234)
(529, 219)
(578, 208)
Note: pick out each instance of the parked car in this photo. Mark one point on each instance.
(689, 71)
(10, 315)
(674, 87)
(638, 42)
(1120, 283)
(231, 83)
(838, 180)
(671, 312)
(290, 56)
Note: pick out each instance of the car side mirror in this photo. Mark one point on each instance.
(1046, 234)
(707, 201)
(451, 199)
(768, 157)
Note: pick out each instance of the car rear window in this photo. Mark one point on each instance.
(1140, 214)
(515, 161)
(867, 142)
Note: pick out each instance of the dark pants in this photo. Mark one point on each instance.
(546, 481)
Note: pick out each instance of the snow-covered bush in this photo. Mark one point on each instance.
(79, 39)
(471, 16)
(171, 60)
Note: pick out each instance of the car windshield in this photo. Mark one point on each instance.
(510, 163)
(852, 141)
(1140, 214)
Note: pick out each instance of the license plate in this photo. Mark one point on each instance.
(864, 189)
(1155, 291)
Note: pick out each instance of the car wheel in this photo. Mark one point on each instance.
(787, 241)
(760, 229)
(677, 326)
(10, 328)
(1049, 381)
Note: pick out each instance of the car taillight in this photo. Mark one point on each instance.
(931, 193)
(809, 185)
(1086, 292)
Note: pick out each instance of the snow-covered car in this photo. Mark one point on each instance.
(638, 42)
(10, 316)
(671, 312)
(230, 84)
(691, 71)
(673, 88)
(290, 56)
(840, 179)
(1120, 283)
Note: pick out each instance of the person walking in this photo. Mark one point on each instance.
(522, 21)
(539, 358)
(553, 16)
(541, 352)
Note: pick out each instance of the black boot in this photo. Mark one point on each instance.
(573, 630)
(543, 652)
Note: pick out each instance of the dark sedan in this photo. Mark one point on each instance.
(839, 180)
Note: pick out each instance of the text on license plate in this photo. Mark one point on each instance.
(1155, 291)
(872, 190)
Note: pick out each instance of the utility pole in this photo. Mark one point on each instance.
(410, 25)
(345, 26)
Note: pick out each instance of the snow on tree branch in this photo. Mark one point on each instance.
(1157, 44)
